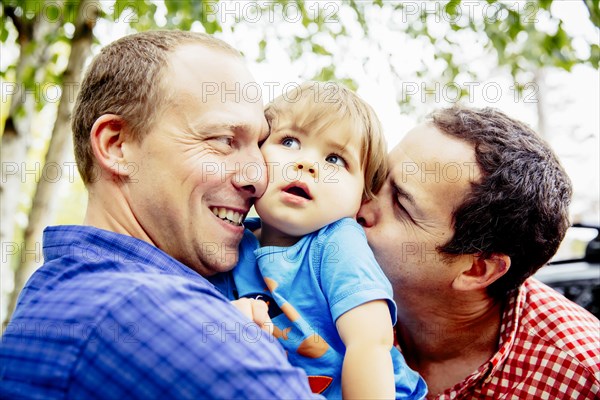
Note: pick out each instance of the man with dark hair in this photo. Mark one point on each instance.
(167, 146)
(475, 202)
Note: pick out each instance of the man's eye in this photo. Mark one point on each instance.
(398, 204)
(291, 142)
(228, 140)
(401, 210)
(335, 159)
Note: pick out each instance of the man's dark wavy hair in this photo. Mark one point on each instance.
(519, 207)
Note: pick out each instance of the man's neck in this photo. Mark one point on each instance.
(108, 209)
(448, 342)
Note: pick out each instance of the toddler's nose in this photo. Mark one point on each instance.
(307, 166)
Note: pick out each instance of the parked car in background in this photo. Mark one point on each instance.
(577, 276)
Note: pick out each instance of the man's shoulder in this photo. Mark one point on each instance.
(89, 272)
(559, 325)
(86, 292)
(544, 304)
(82, 253)
(78, 312)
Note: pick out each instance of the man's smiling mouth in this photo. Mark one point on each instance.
(230, 216)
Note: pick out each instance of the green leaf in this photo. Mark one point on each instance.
(70, 11)
(119, 7)
(172, 6)
(513, 18)
(359, 15)
(593, 7)
(452, 7)
(514, 29)
(594, 55)
(3, 32)
(318, 49)
(499, 43)
(326, 74)
(141, 7)
(262, 50)
(351, 83)
(545, 4)
(212, 27)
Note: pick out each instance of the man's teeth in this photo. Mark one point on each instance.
(233, 217)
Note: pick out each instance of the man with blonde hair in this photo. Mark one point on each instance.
(167, 146)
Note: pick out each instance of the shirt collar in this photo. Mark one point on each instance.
(509, 325)
(95, 243)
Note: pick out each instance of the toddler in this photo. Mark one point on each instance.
(329, 301)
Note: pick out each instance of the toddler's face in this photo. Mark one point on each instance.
(314, 179)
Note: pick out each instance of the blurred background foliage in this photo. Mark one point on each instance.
(452, 44)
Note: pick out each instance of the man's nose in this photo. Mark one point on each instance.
(308, 167)
(252, 174)
(368, 212)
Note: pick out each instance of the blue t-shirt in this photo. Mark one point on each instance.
(311, 284)
(109, 316)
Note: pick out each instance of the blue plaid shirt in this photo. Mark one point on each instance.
(110, 316)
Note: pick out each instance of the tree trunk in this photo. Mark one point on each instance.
(42, 207)
(540, 89)
(16, 139)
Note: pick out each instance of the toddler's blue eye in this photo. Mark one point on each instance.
(290, 142)
(335, 159)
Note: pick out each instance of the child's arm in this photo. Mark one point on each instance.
(367, 333)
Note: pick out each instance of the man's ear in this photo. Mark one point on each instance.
(483, 271)
(107, 137)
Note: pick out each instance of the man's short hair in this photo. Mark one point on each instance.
(519, 207)
(317, 106)
(127, 79)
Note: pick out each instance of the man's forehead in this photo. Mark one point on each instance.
(432, 165)
(219, 72)
(431, 148)
(187, 51)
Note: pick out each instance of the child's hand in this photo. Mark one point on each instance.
(257, 311)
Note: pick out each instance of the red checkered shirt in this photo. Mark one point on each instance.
(549, 349)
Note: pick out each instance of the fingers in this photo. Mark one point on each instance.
(244, 305)
(260, 313)
(257, 311)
